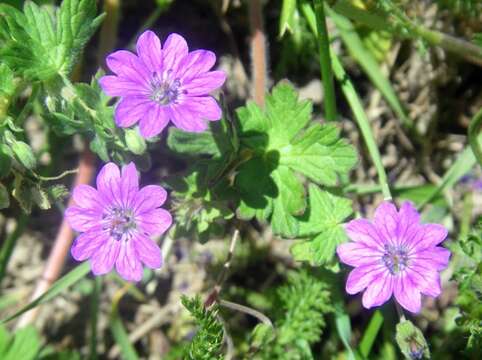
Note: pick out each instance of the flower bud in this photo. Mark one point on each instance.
(24, 154)
(135, 142)
(411, 341)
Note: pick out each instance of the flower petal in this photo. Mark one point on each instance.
(196, 63)
(358, 254)
(154, 222)
(86, 197)
(426, 279)
(131, 109)
(119, 86)
(148, 198)
(108, 182)
(407, 294)
(149, 50)
(204, 83)
(174, 51)
(433, 234)
(129, 184)
(155, 120)
(206, 107)
(103, 260)
(363, 231)
(408, 217)
(128, 65)
(82, 219)
(436, 258)
(362, 276)
(386, 221)
(128, 265)
(186, 120)
(379, 291)
(86, 244)
(148, 251)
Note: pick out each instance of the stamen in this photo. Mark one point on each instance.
(164, 91)
(395, 259)
(119, 222)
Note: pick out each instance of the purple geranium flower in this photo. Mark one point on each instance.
(394, 254)
(116, 222)
(162, 84)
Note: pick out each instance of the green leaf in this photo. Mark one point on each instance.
(121, 337)
(7, 86)
(323, 222)
(25, 345)
(40, 42)
(281, 147)
(217, 141)
(76, 23)
(66, 281)
(288, 9)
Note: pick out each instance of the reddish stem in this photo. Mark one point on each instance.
(258, 51)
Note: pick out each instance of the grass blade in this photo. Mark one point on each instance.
(60, 285)
(368, 63)
(117, 329)
(464, 163)
(371, 333)
(343, 327)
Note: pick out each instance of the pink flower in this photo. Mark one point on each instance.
(394, 254)
(162, 84)
(116, 222)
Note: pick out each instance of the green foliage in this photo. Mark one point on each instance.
(208, 340)
(302, 305)
(259, 162)
(322, 224)
(41, 42)
(288, 10)
(283, 147)
(199, 209)
(25, 344)
(85, 108)
(469, 279)
(462, 7)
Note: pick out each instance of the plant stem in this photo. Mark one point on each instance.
(475, 129)
(329, 98)
(259, 62)
(456, 46)
(247, 310)
(356, 107)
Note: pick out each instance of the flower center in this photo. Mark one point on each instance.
(119, 222)
(164, 90)
(395, 259)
